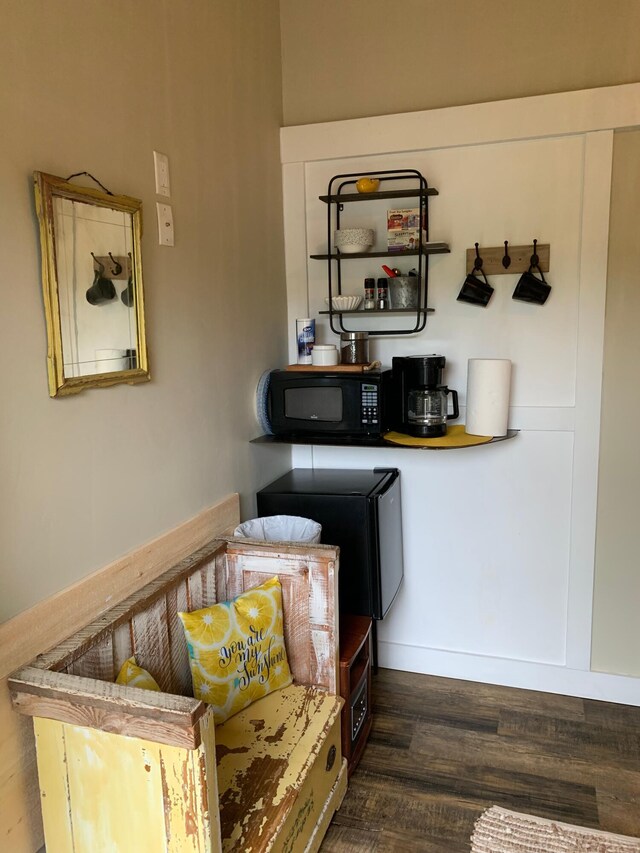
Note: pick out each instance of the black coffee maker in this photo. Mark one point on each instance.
(420, 399)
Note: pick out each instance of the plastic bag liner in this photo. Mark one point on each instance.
(280, 528)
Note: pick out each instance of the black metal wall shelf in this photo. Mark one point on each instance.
(369, 441)
(340, 192)
(415, 193)
(427, 249)
(380, 313)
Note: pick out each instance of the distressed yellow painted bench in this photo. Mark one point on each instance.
(137, 771)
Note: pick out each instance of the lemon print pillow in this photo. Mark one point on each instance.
(135, 676)
(236, 649)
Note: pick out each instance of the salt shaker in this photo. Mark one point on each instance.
(369, 291)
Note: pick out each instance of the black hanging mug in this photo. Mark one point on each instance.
(529, 288)
(474, 290)
(127, 294)
(102, 290)
(532, 289)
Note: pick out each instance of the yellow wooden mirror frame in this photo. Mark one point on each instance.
(47, 189)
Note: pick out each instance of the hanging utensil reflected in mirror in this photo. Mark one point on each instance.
(89, 239)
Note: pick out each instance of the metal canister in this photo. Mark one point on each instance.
(354, 348)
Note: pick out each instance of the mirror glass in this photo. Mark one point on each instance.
(92, 280)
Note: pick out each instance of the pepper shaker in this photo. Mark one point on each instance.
(383, 298)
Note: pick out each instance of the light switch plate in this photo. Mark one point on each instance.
(165, 224)
(161, 168)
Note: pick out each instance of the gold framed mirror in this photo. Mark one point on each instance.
(92, 286)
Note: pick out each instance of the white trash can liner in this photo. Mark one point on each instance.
(280, 528)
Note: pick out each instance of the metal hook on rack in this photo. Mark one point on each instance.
(100, 264)
(477, 264)
(506, 261)
(117, 267)
(535, 260)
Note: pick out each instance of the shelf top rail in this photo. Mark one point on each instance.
(342, 197)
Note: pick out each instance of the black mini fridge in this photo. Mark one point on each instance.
(361, 512)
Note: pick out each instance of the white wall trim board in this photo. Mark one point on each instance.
(295, 249)
(594, 251)
(535, 117)
(526, 675)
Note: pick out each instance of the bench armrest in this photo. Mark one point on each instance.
(107, 706)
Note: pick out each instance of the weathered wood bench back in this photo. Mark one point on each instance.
(147, 625)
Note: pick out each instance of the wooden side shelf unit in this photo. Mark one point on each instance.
(355, 686)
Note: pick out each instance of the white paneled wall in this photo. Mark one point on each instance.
(514, 191)
(499, 540)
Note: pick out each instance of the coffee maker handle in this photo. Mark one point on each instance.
(456, 410)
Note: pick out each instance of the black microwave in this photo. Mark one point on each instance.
(326, 403)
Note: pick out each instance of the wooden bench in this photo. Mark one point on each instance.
(132, 770)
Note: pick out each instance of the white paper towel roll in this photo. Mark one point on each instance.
(488, 387)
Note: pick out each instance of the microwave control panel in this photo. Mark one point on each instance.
(370, 404)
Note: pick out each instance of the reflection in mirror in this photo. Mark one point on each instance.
(92, 280)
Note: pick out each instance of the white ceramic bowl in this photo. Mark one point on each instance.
(344, 303)
(351, 240)
(324, 354)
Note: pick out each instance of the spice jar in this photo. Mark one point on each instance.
(354, 348)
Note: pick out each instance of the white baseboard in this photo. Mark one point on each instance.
(527, 675)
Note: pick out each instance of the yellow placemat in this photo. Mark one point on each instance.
(455, 437)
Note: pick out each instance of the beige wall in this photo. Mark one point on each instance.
(373, 57)
(616, 628)
(96, 85)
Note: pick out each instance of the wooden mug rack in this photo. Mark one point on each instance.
(492, 257)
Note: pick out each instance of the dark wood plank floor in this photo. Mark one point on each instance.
(441, 751)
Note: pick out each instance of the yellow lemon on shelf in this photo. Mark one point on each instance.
(367, 185)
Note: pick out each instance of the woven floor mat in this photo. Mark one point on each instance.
(500, 831)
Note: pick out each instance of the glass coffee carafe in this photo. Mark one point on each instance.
(427, 410)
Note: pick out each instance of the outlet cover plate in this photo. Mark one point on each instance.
(165, 224)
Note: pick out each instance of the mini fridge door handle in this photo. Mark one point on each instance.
(385, 484)
(389, 546)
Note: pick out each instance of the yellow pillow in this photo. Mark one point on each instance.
(135, 676)
(236, 649)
